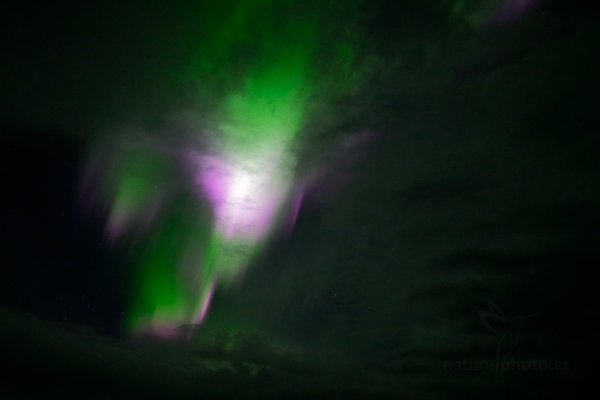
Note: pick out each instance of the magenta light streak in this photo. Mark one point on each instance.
(245, 196)
(205, 304)
(295, 209)
(157, 329)
(115, 226)
(511, 10)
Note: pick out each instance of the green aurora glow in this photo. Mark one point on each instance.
(261, 64)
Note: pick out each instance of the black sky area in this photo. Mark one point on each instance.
(449, 256)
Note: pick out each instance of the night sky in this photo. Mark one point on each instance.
(299, 199)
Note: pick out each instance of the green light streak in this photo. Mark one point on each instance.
(260, 64)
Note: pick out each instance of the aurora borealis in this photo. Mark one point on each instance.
(287, 199)
(240, 159)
